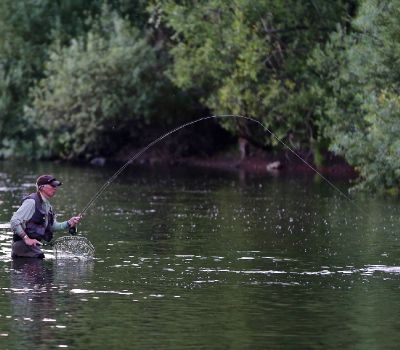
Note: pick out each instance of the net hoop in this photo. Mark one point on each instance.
(75, 247)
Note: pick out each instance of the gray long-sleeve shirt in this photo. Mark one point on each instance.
(25, 213)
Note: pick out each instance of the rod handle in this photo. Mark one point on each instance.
(72, 231)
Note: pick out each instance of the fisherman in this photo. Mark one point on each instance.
(35, 220)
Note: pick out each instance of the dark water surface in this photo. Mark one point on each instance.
(187, 259)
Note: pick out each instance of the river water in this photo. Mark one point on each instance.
(189, 259)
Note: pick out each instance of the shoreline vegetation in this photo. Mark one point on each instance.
(92, 79)
(260, 162)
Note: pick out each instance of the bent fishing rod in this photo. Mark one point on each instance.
(134, 156)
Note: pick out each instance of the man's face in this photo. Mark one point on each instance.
(48, 190)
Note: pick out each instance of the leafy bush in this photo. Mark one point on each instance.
(103, 84)
(250, 58)
(360, 95)
(27, 29)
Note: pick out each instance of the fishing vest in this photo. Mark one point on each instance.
(36, 227)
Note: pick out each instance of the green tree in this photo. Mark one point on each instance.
(360, 96)
(251, 58)
(28, 28)
(98, 91)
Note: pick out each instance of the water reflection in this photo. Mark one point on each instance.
(38, 290)
(194, 260)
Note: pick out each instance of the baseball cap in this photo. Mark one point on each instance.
(48, 180)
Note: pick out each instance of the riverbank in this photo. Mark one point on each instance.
(260, 162)
(275, 166)
(212, 147)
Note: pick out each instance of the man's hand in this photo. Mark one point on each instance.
(74, 221)
(31, 242)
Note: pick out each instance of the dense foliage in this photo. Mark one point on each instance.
(81, 78)
(359, 100)
(101, 85)
(250, 58)
(27, 30)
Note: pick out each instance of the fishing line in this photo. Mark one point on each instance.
(134, 156)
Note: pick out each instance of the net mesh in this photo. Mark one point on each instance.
(73, 247)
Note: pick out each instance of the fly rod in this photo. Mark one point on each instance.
(134, 156)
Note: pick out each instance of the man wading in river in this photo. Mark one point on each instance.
(35, 220)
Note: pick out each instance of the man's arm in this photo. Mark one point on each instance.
(21, 216)
(65, 224)
(57, 226)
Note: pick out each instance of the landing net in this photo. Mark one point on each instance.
(75, 247)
